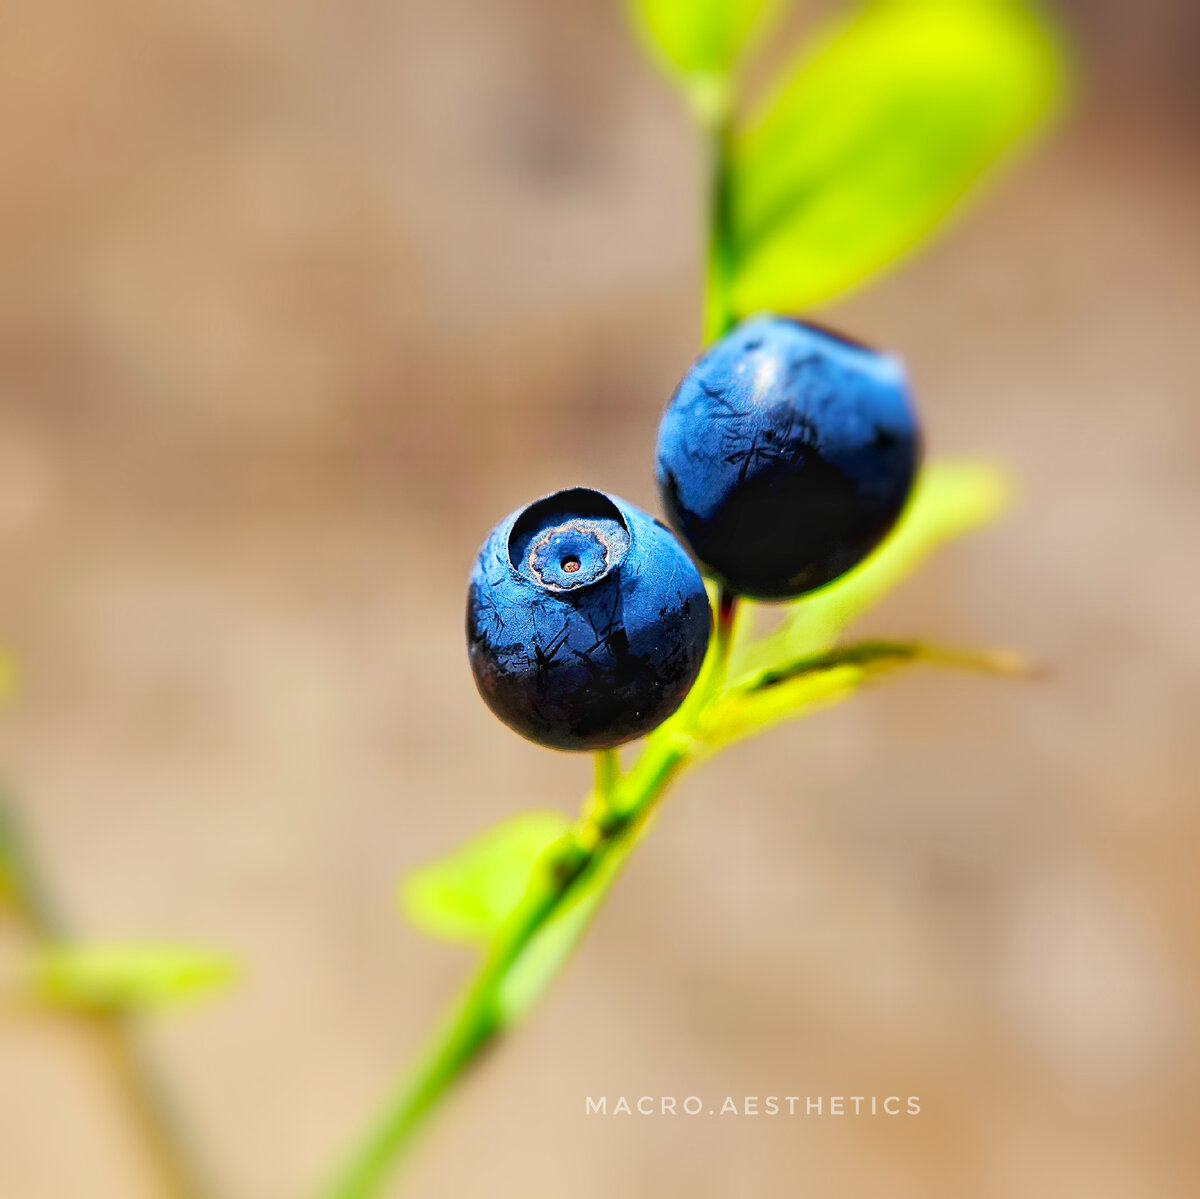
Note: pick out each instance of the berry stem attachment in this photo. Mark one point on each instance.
(608, 770)
(600, 811)
(727, 610)
(716, 667)
(608, 775)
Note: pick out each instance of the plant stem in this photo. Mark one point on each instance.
(149, 1112)
(21, 885)
(150, 1109)
(727, 609)
(471, 1026)
(719, 314)
(479, 1015)
(608, 772)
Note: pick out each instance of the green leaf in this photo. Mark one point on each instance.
(697, 37)
(468, 895)
(949, 500)
(126, 977)
(882, 653)
(794, 687)
(744, 713)
(887, 121)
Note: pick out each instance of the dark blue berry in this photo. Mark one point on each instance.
(786, 455)
(587, 621)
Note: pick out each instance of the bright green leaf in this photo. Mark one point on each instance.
(743, 714)
(468, 895)
(126, 977)
(697, 37)
(791, 688)
(887, 121)
(949, 500)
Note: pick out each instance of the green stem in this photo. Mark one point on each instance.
(21, 885)
(719, 314)
(479, 1016)
(608, 771)
(149, 1111)
(727, 609)
(471, 1026)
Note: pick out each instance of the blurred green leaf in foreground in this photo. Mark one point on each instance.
(883, 126)
(883, 123)
(126, 977)
(697, 37)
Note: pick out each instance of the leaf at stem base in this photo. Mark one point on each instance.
(467, 895)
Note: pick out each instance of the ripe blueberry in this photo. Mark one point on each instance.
(587, 622)
(786, 455)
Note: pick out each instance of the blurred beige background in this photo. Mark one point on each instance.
(296, 301)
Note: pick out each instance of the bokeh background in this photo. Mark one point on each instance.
(296, 300)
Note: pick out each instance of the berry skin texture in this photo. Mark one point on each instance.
(786, 455)
(587, 622)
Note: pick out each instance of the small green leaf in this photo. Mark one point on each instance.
(888, 120)
(126, 977)
(744, 713)
(794, 687)
(949, 500)
(697, 37)
(876, 653)
(468, 895)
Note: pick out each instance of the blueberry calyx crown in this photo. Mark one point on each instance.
(568, 540)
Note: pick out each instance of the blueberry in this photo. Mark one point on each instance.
(587, 621)
(786, 455)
